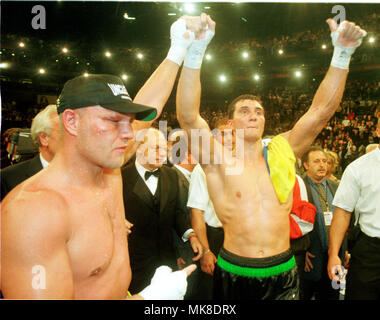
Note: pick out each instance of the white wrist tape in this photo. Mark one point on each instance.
(197, 50)
(342, 54)
(166, 285)
(181, 39)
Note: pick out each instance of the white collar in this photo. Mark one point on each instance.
(184, 171)
(43, 161)
(141, 170)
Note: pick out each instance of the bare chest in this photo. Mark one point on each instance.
(247, 193)
(98, 237)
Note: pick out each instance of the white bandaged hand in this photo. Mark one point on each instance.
(166, 285)
(342, 52)
(197, 50)
(181, 39)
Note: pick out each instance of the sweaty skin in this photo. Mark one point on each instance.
(69, 219)
(256, 224)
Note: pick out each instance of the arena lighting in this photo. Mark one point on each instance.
(189, 7)
(324, 46)
(127, 17)
(21, 44)
(85, 74)
(371, 40)
(124, 76)
(4, 65)
(65, 50)
(172, 14)
(298, 74)
(140, 56)
(208, 57)
(280, 51)
(107, 54)
(245, 54)
(41, 71)
(256, 77)
(222, 78)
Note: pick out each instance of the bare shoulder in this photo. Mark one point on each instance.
(39, 212)
(35, 229)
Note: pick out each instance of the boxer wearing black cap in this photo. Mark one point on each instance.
(96, 89)
(63, 230)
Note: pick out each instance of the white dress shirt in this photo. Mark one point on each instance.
(184, 171)
(152, 181)
(200, 199)
(359, 190)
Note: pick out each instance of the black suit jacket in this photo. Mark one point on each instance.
(151, 241)
(15, 174)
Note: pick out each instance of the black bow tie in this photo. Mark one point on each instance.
(155, 173)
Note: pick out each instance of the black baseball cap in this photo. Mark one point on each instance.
(104, 90)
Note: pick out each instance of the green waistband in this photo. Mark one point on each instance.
(256, 272)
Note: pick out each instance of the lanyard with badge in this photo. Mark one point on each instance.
(327, 213)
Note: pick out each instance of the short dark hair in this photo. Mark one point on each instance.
(232, 105)
(305, 156)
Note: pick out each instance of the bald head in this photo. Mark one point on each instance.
(152, 153)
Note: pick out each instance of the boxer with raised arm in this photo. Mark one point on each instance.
(254, 203)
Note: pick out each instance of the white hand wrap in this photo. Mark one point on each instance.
(197, 50)
(342, 54)
(179, 42)
(166, 285)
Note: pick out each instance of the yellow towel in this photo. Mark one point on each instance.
(281, 161)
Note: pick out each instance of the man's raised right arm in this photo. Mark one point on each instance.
(189, 86)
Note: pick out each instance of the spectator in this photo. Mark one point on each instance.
(45, 134)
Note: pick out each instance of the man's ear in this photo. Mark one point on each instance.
(305, 165)
(43, 138)
(70, 121)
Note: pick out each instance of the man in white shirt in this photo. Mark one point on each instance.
(359, 191)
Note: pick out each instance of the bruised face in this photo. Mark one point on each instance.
(103, 135)
(249, 116)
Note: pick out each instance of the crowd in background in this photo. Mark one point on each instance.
(351, 129)
(347, 134)
(82, 56)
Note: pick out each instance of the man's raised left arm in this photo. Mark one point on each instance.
(345, 38)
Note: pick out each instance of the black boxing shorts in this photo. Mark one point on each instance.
(270, 278)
